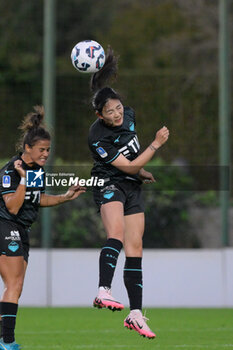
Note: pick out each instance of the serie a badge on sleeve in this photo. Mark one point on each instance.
(6, 181)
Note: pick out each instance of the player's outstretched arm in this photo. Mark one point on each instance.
(134, 166)
(52, 200)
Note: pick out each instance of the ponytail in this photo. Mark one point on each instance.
(33, 128)
(108, 70)
(98, 80)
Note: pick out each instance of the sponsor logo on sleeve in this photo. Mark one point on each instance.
(102, 152)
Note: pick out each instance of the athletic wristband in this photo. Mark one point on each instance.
(153, 148)
(23, 181)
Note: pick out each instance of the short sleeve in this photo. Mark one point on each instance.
(105, 151)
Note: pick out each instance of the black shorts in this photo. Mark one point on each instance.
(14, 239)
(127, 192)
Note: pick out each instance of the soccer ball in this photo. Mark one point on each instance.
(88, 56)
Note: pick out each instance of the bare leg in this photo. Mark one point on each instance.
(112, 215)
(12, 271)
(134, 230)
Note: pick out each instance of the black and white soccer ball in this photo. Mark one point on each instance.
(88, 56)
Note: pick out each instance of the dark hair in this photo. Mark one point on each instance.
(104, 93)
(33, 129)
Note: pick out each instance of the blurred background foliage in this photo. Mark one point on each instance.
(168, 72)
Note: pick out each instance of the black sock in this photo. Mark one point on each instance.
(133, 281)
(9, 311)
(108, 260)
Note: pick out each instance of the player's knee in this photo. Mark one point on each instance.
(134, 248)
(137, 251)
(116, 234)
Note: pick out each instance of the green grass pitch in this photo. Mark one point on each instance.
(87, 328)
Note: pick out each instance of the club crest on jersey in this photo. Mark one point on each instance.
(13, 246)
(108, 194)
(35, 178)
(6, 181)
(102, 152)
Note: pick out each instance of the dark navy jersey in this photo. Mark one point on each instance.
(9, 181)
(107, 143)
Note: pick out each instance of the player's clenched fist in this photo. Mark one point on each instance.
(161, 137)
(19, 168)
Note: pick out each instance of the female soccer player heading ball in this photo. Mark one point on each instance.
(115, 149)
(19, 206)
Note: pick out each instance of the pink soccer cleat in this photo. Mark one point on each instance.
(135, 320)
(105, 299)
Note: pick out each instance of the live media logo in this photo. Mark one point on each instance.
(35, 178)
